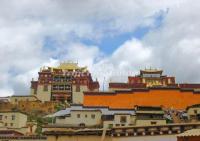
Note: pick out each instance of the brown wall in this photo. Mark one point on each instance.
(195, 138)
(169, 98)
(6, 106)
(27, 106)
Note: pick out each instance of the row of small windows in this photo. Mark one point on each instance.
(92, 116)
(151, 75)
(123, 119)
(45, 75)
(111, 125)
(5, 117)
(6, 124)
(62, 79)
(16, 100)
(61, 87)
(150, 116)
(45, 81)
(58, 87)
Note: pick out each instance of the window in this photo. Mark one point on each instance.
(78, 115)
(45, 88)
(123, 119)
(56, 78)
(15, 99)
(68, 79)
(67, 87)
(61, 117)
(6, 124)
(61, 78)
(61, 87)
(110, 125)
(153, 123)
(77, 88)
(35, 91)
(5, 117)
(85, 116)
(11, 124)
(195, 111)
(13, 117)
(1, 117)
(55, 87)
(93, 116)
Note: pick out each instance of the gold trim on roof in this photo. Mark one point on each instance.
(71, 66)
(67, 66)
(151, 70)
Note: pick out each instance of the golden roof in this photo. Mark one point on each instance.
(71, 66)
(192, 132)
(151, 70)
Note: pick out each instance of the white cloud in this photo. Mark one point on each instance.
(83, 54)
(132, 52)
(176, 42)
(124, 61)
(6, 92)
(25, 25)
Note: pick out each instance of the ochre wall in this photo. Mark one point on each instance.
(18, 121)
(173, 98)
(29, 106)
(77, 138)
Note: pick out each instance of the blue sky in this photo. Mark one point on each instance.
(110, 42)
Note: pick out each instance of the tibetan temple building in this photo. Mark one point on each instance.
(149, 88)
(58, 83)
(146, 78)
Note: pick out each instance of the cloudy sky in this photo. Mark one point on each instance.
(114, 38)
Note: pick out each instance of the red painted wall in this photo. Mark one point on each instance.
(169, 98)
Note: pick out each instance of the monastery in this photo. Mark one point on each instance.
(149, 88)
